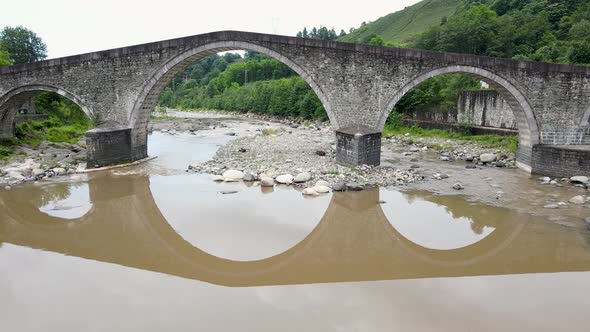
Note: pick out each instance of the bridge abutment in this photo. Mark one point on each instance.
(560, 160)
(109, 146)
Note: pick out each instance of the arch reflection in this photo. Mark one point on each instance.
(354, 241)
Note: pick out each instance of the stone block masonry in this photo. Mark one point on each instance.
(485, 108)
(561, 161)
(358, 85)
(358, 146)
(108, 146)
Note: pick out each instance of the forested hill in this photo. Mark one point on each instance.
(538, 30)
(398, 28)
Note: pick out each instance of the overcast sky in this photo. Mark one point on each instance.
(71, 27)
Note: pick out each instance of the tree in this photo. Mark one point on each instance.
(22, 45)
(5, 58)
(376, 40)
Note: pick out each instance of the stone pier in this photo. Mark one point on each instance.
(108, 146)
(358, 146)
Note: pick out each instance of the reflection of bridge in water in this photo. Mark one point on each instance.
(354, 241)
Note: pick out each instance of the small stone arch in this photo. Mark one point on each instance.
(36, 88)
(10, 101)
(147, 98)
(523, 112)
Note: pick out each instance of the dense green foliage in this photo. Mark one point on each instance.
(22, 45)
(67, 122)
(540, 30)
(441, 92)
(254, 83)
(4, 59)
(398, 28)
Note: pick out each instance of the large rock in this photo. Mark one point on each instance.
(579, 179)
(340, 186)
(249, 177)
(218, 178)
(458, 186)
(233, 174)
(59, 171)
(285, 179)
(487, 157)
(16, 176)
(302, 177)
(322, 183)
(267, 182)
(309, 192)
(354, 186)
(577, 200)
(321, 189)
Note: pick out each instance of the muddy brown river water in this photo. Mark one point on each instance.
(152, 248)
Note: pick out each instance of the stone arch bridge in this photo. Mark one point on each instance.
(358, 86)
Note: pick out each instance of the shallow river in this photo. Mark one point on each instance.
(152, 248)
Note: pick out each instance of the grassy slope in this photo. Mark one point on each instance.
(411, 20)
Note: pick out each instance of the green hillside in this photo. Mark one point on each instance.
(405, 23)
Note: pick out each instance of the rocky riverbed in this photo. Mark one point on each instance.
(268, 152)
(289, 153)
(47, 160)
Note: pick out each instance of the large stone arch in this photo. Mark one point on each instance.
(147, 98)
(528, 128)
(11, 100)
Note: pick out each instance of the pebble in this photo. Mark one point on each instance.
(471, 166)
(458, 186)
(228, 192)
(218, 178)
(577, 200)
(439, 176)
(487, 157)
(551, 206)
